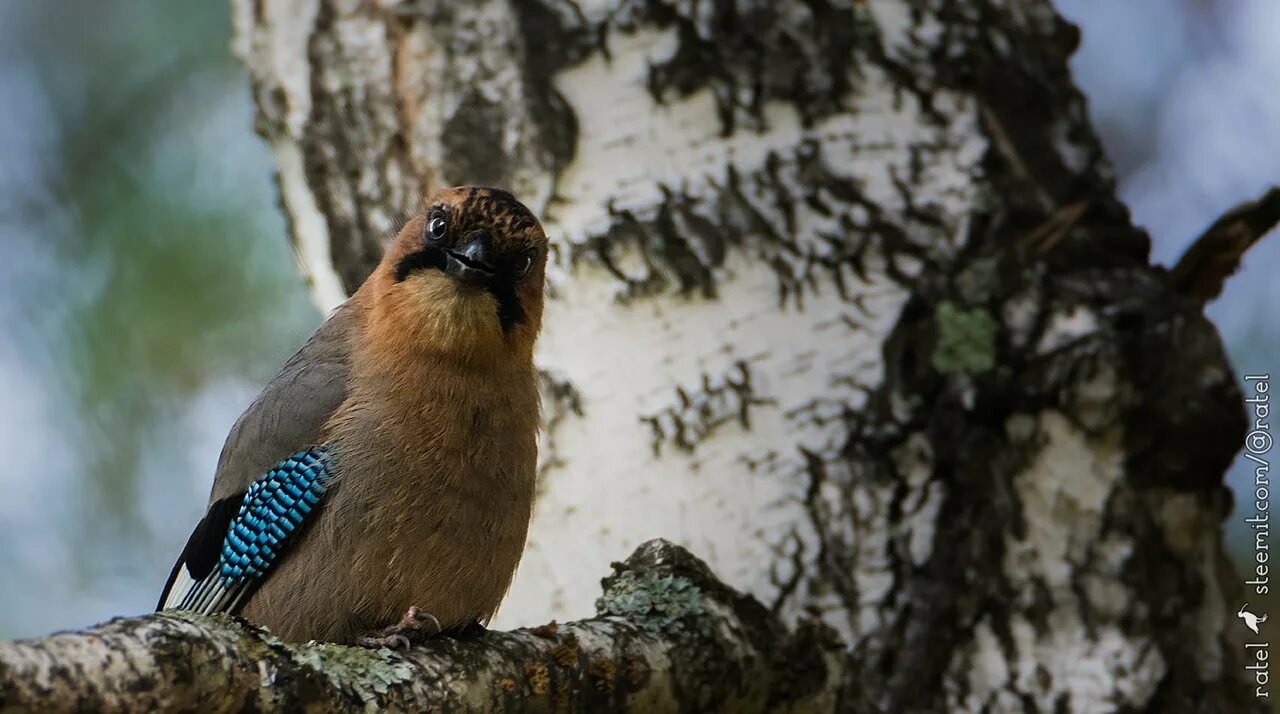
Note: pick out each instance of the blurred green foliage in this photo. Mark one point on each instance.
(174, 275)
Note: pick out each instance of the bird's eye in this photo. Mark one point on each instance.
(437, 228)
(523, 264)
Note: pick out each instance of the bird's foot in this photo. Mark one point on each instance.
(416, 626)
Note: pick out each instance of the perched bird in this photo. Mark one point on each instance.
(381, 485)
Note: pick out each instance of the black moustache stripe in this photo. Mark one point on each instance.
(502, 287)
(510, 313)
(421, 260)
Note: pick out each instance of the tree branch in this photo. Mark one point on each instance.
(1216, 254)
(669, 637)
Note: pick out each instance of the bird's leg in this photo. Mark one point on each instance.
(416, 625)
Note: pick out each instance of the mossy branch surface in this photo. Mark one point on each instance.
(669, 637)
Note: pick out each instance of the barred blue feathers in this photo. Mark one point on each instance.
(272, 510)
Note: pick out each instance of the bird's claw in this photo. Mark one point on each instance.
(415, 624)
(377, 641)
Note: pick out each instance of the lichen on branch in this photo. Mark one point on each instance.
(669, 637)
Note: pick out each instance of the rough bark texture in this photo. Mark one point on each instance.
(662, 606)
(843, 300)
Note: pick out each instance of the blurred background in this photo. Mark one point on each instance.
(147, 289)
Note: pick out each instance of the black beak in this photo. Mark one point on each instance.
(471, 262)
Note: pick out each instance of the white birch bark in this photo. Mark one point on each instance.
(842, 301)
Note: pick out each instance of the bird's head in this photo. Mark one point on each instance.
(465, 276)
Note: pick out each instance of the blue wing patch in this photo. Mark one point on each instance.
(275, 505)
(272, 510)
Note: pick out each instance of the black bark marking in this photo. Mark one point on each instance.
(341, 139)
(752, 52)
(473, 143)
(560, 400)
(698, 413)
(685, 238)
(554, 35)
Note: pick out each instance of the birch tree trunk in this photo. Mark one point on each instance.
(843, 301)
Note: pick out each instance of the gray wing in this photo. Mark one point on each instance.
(288, 417)
(290, 413)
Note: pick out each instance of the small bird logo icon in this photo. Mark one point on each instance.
(1251, 620)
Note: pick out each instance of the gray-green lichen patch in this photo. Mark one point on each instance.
(364, 672)
(657, 603)
(966, 340)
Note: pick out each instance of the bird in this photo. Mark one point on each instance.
(379, 489)
(1251, 620)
